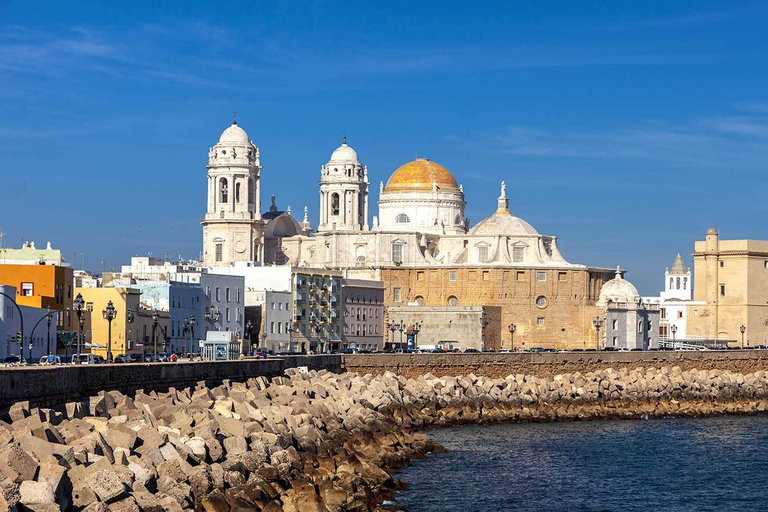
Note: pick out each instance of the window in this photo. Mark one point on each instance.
(678, 283)
(482, 254)
(360, 261)
(272, 327)
(521, 275)
(272, 305)
(227, 294)
(287, 306)
(334, 204)
(685, 283)
(722, 290)
(27, 289)
(237, 192)
(396, 294)
(640, 326)
(280, 306)
(219, 251)
(238, 295)
(397, 253)
(663, 313)
(453, 301)
(402, 219)
(279, 328)
(540, 321)
(228, 318)
(419, 276)
(218, 294)
(457, 220)
(679, 314)
(223, 190)
(615, 324)
(541, 277)
(452, 276)
(562, 276)
(486, 275)
(722, 264)
(541, 302)
(518, 254)
(671, 282)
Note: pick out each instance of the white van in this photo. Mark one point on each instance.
(85, 359)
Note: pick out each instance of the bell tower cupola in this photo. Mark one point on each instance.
(343, 192)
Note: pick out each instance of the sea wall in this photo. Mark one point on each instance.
(50, 385)
(316, 441)
(550, 364)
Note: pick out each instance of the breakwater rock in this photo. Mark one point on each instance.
(306, 442)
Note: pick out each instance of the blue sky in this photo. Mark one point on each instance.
(624, 128)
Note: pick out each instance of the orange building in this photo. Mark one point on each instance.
(43, 286)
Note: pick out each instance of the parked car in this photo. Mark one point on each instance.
(505, 351)
(121, 358)
(471, 351)
(85, 359)
(44, 361)
(12, 361)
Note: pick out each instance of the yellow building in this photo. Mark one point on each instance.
(731, 277)
(129, 334)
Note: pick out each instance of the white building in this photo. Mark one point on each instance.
(629, 322)
(673, 302)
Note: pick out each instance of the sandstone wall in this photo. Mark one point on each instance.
(551, 364)
(54, 385)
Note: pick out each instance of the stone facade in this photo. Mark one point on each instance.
(445, 327)
(731, 279)
(551, 308)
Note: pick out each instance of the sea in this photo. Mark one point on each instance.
(675, 464)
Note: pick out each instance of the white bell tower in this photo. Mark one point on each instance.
(343, 192)
(232, 228)
(677, 282)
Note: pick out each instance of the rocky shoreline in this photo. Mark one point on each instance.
(312, 441)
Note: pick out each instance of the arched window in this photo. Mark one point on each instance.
(457, 220)
(237, 192)
(334, 204)
(360, 261)
(671, 283)
(223, 190)
(251, 191)
(402, 219)
(453, 301)
(685, 283)
(482, 254)
(678, 283)
(419, 300)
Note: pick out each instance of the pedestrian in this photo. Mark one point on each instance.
(51, 359)
(173, 357)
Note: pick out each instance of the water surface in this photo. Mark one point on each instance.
(694, 464)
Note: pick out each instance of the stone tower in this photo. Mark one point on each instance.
(343, 192)
(232, 228)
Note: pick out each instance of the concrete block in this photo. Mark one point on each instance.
(107, 485)
(33, 492)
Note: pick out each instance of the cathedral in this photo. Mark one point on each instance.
(419, 243)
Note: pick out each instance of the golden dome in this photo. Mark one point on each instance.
(420, 174)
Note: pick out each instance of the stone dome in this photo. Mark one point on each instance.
(344, 153)
(420, 174)
(504, 224)
(234, 134)
(618, 289)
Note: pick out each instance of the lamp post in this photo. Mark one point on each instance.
(742, 329)
(32, 334)
(416, 331)
(49, 330)
(598, 324)
(185, 331)
(512, 328)
(674, 333)
(155, 318)
(109, 314)
(392, 327)
(401, 328)
(248, 330)
(78, 305)
(264, 340)
(191, 335)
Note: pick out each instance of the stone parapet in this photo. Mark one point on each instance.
(495, 365)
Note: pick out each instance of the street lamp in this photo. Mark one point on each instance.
(191, 335)
(416, 330)
(742, 329)
(78, 305)
(392, 327)
(598, 324)
(248, 330)
(401, 328)
(674, 332)
(155, 318)
(49, 329)
(512, 328)
(110, 313)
